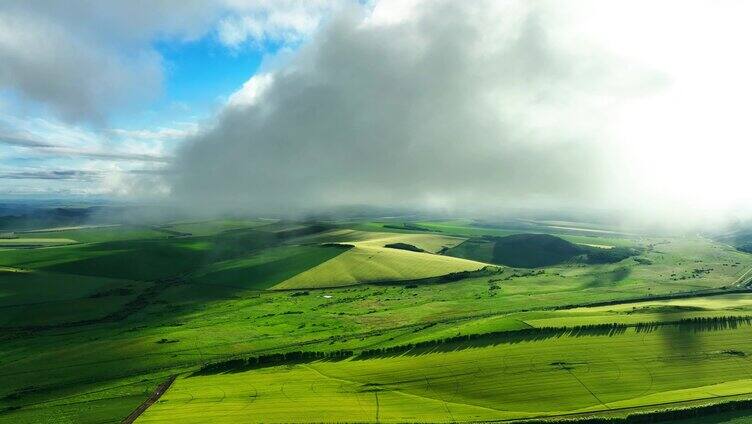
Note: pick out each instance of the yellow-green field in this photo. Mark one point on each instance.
(481, 380)
(369, 261)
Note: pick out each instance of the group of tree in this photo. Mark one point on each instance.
(661, 416)
(272, 359)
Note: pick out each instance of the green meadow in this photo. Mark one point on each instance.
(435, 328)
(494, 379)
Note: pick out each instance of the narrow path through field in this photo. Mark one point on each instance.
(158, 392)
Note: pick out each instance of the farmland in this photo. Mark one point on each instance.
(481, 380)
(427, 330)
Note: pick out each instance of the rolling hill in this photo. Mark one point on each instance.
(371, 261)
(536, 250)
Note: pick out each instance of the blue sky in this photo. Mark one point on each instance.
(199, 76)
(110, 91)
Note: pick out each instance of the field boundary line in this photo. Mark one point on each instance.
(415, 395)
(587, 388)
(158, 392)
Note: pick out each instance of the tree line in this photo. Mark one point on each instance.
(270, 360)
(507, 336)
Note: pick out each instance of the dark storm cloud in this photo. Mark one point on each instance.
(443, 110)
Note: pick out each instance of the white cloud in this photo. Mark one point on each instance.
(67, 65)
(86, 60)
(178, 132)
(481, 105)
(440, 108)
(45, 156)
(280, 21)
(252, 91)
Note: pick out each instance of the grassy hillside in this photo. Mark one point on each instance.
(268, 268)
(536, 250)
(370, 261)
(88, 330)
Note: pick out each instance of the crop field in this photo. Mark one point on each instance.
(370, 261)
(270, 268)
(96, 234)
(507, 379)
(90, 329)
(208, 228)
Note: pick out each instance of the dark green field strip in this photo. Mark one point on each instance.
(683, 295)
(104, 410)
(132, 306)
(536, 251)
(84, 392)
(137, 260)
(700, 411)
(150, 259)
(473, 249)
(39, 287)
(83, 385)
(261, 276)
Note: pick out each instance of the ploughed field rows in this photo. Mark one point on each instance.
(475, 380)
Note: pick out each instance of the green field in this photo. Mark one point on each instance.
(369, 261)
(89, 329)
(463, 382)
(34, 242)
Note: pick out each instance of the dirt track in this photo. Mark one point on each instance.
(158, 392)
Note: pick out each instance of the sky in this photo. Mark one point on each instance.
(468, 107)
